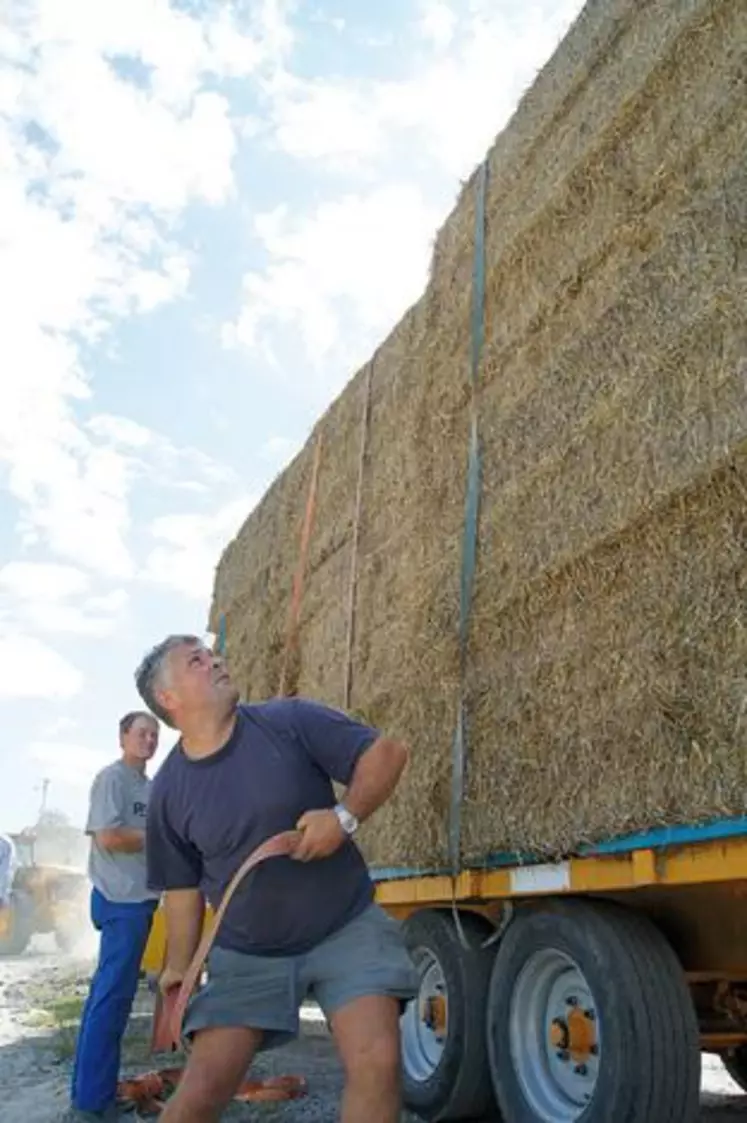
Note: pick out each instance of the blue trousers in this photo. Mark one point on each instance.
(124, 932)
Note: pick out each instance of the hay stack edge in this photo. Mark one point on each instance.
(605, 673)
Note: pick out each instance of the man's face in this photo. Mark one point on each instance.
(196, 681)
(141, 739)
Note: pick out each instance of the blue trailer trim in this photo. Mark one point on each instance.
(657, 839)
(672, 836)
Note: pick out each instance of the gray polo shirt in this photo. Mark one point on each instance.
(119, 798)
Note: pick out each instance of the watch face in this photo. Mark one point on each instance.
(347, 820)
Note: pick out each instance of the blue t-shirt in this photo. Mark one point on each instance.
(206, 816)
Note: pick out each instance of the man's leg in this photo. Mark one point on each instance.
(249, 1002)
(366, 1033)
(124, 935)
(360, 976)
(216, 1066)
(93, 909)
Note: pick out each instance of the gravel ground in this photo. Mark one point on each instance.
(36, 1050)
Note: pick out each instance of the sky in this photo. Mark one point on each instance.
(210, 215)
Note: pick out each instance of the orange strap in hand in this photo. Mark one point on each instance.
(167, 1028)
(146, 1091)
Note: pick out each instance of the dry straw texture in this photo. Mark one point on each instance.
(606, 685)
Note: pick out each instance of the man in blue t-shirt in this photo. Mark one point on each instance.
(298, 926)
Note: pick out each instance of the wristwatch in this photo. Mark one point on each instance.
(348, 821)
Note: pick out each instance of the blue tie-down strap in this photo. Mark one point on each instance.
(469, 542)
(457, 793)
(471, 525)
(469, 565)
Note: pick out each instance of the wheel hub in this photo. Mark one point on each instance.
(554, 1037)
(433, 1014)
(575, 1035)
(425, 1022)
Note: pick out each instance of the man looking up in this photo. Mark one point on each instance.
(301, 925)
(122, 910)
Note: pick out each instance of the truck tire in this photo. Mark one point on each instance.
(444, 1055)
(590, 1020)
(735, 1063)
(17, 936)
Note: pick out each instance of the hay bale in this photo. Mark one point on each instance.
(605, 684)
(644, 642)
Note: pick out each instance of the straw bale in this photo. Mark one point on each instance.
(604, 686)
(618, 688)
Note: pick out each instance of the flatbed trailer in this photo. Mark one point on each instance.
(582, 991)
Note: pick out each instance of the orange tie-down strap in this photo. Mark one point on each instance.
(146, 1092)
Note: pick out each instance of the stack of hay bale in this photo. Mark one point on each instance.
(605, 682)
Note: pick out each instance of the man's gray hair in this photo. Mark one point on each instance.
(148, 675)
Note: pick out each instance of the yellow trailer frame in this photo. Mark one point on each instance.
(690, 883)
(699, 888)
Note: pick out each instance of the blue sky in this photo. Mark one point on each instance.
(210, 214)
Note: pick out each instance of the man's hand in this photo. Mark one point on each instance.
(169, 979)
(124, 840)
(321, 835)
(184, 911)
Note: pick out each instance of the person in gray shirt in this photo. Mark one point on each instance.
(122, 910)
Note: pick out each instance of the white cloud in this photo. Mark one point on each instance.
(60, 724)
(32, 669)
(42, 581)
(95, 616)
(189, 546)
(76, 502)
(438, 23)
(322, 120)
(350, 267)
(108, 131)
(451, 106)
(153, 456)
(77, 489)
(67, 762)
(277, 449)
(121, 431)
(57, 598)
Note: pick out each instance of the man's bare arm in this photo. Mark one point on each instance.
(122, 840)
(185, 913)
(375, 777)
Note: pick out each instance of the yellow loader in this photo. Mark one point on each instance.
(43, 898)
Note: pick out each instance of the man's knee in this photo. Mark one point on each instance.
(367, 1034)
(376, 1062)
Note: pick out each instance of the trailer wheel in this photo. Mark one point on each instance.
(590, 1020)
(735, 1063)
(444, 1055)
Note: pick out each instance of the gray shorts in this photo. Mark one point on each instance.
(366, 957)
